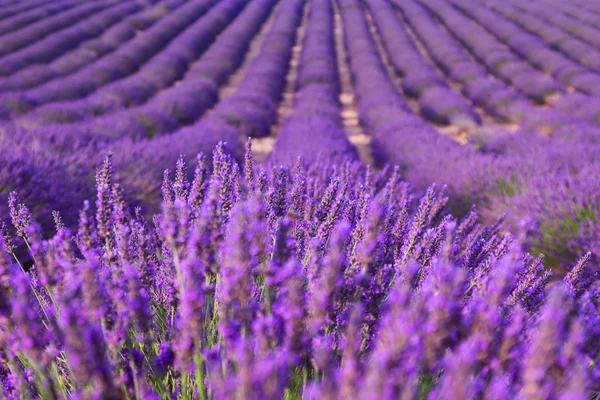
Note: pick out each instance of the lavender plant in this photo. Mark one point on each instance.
(317, 281)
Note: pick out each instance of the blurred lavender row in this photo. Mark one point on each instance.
(578, 50)
(400, 137)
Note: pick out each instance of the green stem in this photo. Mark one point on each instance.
(39, 300)
(199, 374)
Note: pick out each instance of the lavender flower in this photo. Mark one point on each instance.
(19, 214)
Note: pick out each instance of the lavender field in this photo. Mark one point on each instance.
(300, 199)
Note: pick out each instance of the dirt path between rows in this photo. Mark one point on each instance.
(350, 120)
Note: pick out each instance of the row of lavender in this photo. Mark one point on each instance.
(78, 145)
(147, 124)
(154, 121)
(97, 103)
(48, 48)
(400, 137)
(34, 15)
(567, 34)
(506, 172)
(316, 114)
(538, 174)
(8, 10)
(533, 49)
(493, 54)
(21, 104)
(478, 84)
(70, 111)
(460, 48)
(150, 119)
(554, 30)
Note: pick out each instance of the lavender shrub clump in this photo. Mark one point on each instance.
(313, 281)
(550, 190)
